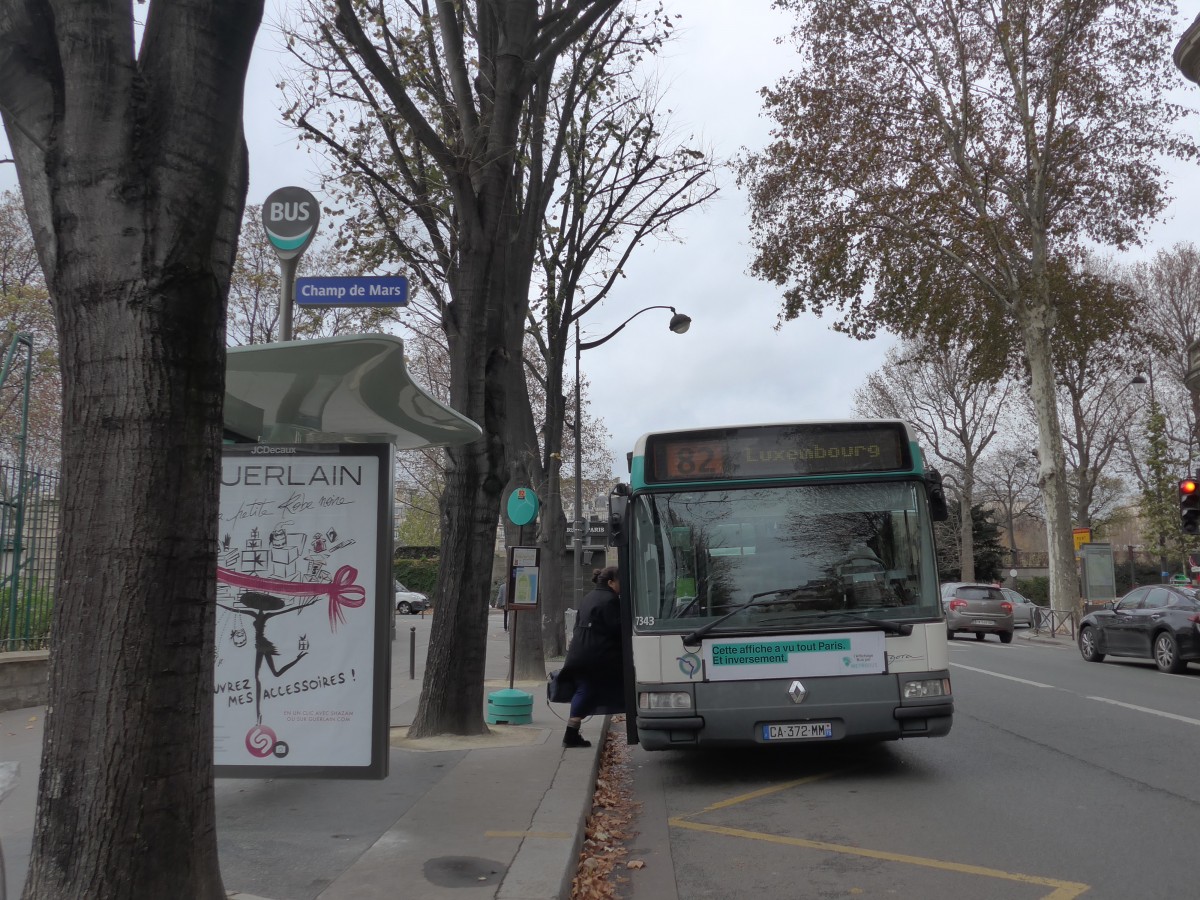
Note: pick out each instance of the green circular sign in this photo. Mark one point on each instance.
(522, 506)
(290, 216)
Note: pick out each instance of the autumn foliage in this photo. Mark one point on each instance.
(609, 826)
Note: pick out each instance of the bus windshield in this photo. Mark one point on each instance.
(792, 555)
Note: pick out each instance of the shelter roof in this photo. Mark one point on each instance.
(349, 388)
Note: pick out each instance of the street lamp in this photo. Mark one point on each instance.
(1141, 381)
(679, 324)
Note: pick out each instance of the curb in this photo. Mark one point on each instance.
(1052, 641)
(545, 864)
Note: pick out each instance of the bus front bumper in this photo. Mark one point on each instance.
(857, 708)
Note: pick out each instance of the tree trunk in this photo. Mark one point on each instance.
(133, 176)
(1064, 583)
(125, 804)
(451, 699)
(479, 322)
(553, 539)
(488, 257)
(554, 548)
(966, 536)
(452, 691)
(525, 469)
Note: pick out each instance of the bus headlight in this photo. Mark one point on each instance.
(664, 700)
(933, 687)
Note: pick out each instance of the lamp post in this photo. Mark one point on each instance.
(1020, 467)
(678, 325)
(1140, 382)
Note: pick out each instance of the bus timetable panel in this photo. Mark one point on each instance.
(777, 451)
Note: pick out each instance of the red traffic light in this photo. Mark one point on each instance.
(1187, 486)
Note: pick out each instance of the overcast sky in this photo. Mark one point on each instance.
(733, 366)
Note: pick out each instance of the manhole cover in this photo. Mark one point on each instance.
(462, 871)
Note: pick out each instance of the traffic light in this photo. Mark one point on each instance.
(1189, 506)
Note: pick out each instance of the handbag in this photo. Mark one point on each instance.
(559, 689)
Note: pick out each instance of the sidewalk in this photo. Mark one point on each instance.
(497, 816)
(1062, 638)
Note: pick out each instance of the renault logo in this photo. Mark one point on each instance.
(797, 692)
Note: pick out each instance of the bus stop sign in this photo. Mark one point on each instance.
(522, 506)
(290, 216)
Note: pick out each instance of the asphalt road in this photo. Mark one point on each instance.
(1060, 779)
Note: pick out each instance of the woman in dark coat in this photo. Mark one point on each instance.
(594, 660)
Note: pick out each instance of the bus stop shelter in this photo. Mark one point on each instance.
(350, 388)
(314, 425)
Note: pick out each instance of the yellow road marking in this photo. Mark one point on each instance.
(767, 791)
(556, 835)
(1063, 890)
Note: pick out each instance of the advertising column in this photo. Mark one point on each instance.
(302, 669)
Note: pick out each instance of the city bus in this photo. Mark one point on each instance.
(779, 585)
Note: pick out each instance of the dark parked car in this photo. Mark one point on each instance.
(1161, 622)
(978, 608)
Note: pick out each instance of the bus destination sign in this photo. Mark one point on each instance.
(777, 451)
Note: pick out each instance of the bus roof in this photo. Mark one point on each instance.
(350, 388)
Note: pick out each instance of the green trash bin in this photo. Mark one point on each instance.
(509, 707)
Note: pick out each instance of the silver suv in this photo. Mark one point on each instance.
(979, 608)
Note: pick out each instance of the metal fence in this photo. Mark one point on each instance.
(1054, 622)
(30, 513)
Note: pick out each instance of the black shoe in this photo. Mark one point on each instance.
(572, 738)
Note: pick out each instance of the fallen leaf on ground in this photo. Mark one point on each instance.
(607, 828)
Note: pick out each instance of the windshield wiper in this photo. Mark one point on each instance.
(694, 637)
(902, 628)
(882, 624)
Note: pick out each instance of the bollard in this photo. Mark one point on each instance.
(412, 652)
(510, 707)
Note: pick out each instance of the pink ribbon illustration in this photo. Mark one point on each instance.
(342, 591)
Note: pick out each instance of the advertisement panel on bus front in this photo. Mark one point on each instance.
(790, 656)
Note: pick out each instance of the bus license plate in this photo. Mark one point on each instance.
(797, 731)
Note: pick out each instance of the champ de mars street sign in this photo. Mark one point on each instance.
(352, 291)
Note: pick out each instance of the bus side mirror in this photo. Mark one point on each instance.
(938, 510)
(618, 502)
